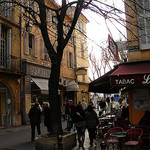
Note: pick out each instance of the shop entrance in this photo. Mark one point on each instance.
(5, 106)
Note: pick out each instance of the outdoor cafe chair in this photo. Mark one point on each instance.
(146, 134)
(111, 140)
(122, 123)
(134, 138)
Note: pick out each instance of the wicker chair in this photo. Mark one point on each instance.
(134, 138)
(146, 134)
(110, 140)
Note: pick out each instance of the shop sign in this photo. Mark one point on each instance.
(131, 80)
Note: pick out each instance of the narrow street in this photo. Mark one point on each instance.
(19, 138)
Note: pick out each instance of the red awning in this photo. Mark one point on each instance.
(132, 69)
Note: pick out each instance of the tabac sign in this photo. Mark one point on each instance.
(142, 79)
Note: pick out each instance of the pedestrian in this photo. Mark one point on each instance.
(78, 119)
(68, 111)
(47, 117)
(91, 102)
(145, 120)
(83, 104)
(91, 123)
(102, 105)
(35, 119)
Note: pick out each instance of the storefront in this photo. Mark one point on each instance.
(10, 108)
(6, 106)
(134, 77)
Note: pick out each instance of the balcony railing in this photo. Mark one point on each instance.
(13, 64)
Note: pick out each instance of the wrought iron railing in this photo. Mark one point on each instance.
(13, 64)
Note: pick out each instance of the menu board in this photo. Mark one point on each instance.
(141, 99)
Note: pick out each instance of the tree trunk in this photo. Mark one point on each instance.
(55, 103)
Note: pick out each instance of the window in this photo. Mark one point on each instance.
(81, 27)
(70, 59)
(82, 50)
(31, 45)
(6, 9)
(143, 15)
(44, 54)
(54, 22)
(5, 46)
(83, 77)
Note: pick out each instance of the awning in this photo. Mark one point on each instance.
(134, 73)
(42, 84)
(72, 86)
(102, 84)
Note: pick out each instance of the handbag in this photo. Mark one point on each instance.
(80, 124)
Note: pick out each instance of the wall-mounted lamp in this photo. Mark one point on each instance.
(28, 27)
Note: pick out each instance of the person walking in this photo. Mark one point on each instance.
(91, 123)
(68, 111)
(78, 118)
(47, 117)
(83, 104)
(35, 120)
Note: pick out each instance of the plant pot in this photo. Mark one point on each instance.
(45, 142)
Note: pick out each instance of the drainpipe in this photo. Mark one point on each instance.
(75, 62)
(22, 97)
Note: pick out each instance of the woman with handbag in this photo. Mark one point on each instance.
(79, 121)
(91, 123)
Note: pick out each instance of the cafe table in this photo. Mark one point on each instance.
(120, 136)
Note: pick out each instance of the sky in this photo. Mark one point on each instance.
(98, 31)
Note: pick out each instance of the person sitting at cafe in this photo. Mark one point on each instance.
(145, 120)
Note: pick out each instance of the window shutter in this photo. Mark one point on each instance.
(26, 43)
(36, 8)
(48, 18)
(36, 46)
(73, 61)
(68, 60)
(143, 17)
(0, 37)
(9, 48)
(42, 48)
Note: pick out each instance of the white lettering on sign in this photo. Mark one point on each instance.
(125, 81)
(146, 79)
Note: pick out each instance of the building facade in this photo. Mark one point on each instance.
(11, 70)
(25, 66)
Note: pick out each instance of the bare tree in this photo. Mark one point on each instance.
(38, 18)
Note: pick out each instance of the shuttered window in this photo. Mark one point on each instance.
(6, 8)
(70, 59)
(143, 16)
(5, 46)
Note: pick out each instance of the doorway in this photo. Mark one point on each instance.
(5, 106)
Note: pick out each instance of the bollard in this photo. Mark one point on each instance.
(103, 145)
(60, 143)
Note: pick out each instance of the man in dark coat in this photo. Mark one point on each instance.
(35, 119)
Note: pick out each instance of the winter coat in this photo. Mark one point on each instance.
(91, 119)
(47, 116)
(35, 115)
